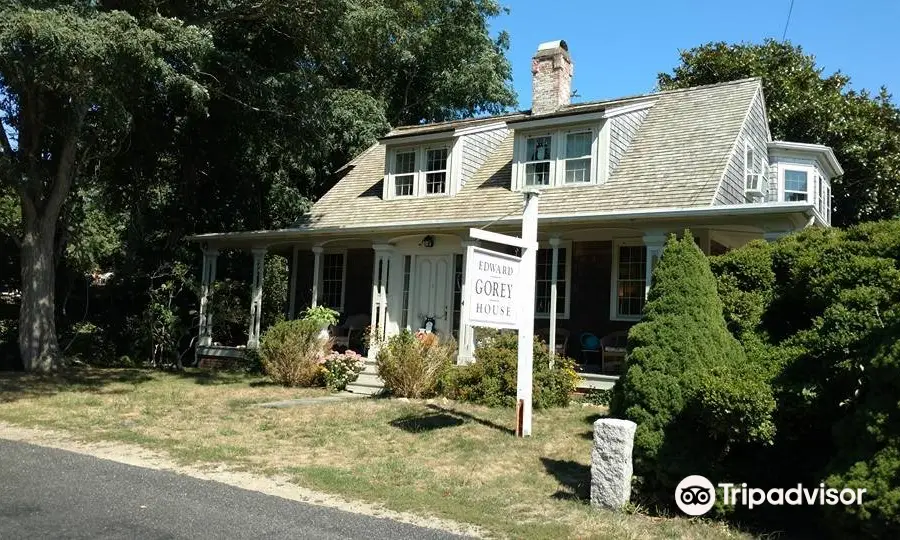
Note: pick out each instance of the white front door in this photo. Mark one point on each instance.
(433, 294)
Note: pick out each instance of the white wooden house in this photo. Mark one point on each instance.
(616, 178)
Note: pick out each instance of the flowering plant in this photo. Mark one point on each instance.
(341, 369)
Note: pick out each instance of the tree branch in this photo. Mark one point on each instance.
(65, 169)
(4, 139)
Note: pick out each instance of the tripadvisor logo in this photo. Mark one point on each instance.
(695, 495)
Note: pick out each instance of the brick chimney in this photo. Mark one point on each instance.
(551, 77)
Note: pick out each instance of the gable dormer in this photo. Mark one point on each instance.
(437, 164)
(561, 144)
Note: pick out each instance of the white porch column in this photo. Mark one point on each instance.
(206, 291)
(554, 276)
(317, 274)
(292, 301)
(466, 332)
(259, 265)
(380, 279)
(654, 243)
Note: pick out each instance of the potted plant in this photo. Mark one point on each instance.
(323, 316)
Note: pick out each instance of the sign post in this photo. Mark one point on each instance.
(524, 383)
(499, 293)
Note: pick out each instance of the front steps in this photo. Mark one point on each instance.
(368, 383)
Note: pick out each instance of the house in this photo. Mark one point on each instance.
(615, 177)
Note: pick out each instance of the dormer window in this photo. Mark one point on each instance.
(404, 173)
(418, 171)
(578, 157)
(436, 170)
(538, 150)
(560, 157)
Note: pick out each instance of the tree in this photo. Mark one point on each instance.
(214, 115)
(688, 383)
(806, 105)
(68, 76)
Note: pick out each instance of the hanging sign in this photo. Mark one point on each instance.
(493, 288)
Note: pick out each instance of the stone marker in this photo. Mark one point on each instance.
(611, 466)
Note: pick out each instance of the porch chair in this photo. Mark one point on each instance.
(342, 333)
(612, 349)
(562, 339)
(590, 344)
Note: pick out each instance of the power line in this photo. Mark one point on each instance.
(790, 10)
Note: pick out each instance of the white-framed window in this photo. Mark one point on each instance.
(404, 172)
(436, 160)
(544, 278)
(749, 159)
(577, 157)
(538, 160)
(559, 157)
(796, 185)
(419, 171)
(629, 280)
(334, 279)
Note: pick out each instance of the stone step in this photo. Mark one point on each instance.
(369, 379)
(364, 390)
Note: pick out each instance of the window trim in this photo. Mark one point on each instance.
(420, 174)
(321, 278)
(614, 278)
(599, 155)
(567, 245)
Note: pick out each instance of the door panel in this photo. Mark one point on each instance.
(432, 298)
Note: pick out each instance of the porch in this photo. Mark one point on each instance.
(591, 284)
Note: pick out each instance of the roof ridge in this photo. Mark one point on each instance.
(575, 106)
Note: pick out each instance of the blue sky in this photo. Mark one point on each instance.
(619, 46)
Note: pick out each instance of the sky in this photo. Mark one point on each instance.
(618, 47)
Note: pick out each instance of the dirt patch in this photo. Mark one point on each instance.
(277, 486)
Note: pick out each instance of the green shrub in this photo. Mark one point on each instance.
(491, 379)
(291, 351)
(412, 365)
(828, 328)
(695, 396)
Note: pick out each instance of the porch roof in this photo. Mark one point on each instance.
(795, 214)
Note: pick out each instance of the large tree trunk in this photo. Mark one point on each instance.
(37, 324)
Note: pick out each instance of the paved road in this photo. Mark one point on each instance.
(48, 493)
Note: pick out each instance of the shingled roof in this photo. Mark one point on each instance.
(676, 160)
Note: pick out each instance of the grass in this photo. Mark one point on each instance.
(439, 458)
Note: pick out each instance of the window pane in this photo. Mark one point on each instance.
(332, 280)
(537, 174)
(794, 197)
(795, 181)
(403, 185)
(404, 162)
(578, 144)
(544, 282)
(631, 280)
(578, 170)
(404, 318)
(435, 182)
(537, 148)
(436, 160)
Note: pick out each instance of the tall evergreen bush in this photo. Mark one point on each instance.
(696, 398)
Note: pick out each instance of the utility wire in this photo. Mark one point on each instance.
(790, 10)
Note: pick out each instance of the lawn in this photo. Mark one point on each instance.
(437, 458)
